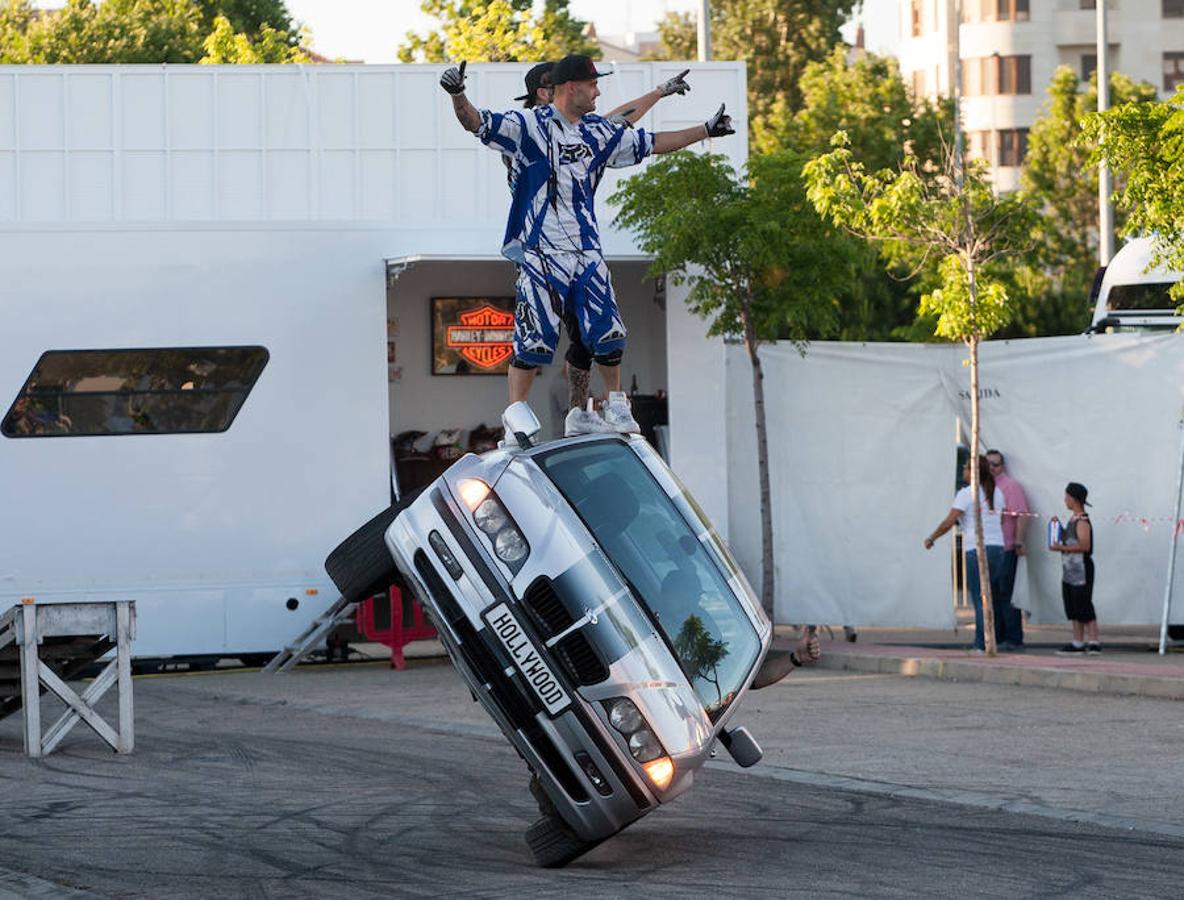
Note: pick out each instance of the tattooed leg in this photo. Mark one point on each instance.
(577, 387)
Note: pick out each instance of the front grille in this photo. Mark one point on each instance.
(549, 611)
(574, 653)
(580, 661)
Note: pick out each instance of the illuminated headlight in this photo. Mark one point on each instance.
(492, 520)
(626, 718)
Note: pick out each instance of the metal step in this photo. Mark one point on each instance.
(313, 635)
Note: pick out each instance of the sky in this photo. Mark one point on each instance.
(370, 30)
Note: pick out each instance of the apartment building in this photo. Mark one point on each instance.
(1010, 49)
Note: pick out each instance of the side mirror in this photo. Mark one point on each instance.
(520, 421)
(742, 745)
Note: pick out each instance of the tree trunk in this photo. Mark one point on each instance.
(984, 577)
(762, 460)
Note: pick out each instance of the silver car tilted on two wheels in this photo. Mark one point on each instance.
(593, 611)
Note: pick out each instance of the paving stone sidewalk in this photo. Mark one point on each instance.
(1127, 665)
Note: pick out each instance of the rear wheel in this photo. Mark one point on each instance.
(361, 565)
(1176, 632)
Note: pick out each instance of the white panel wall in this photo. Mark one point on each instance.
(235, 144)
(210, 533)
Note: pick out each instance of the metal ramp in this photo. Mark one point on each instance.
(316, 632)
(44, 646)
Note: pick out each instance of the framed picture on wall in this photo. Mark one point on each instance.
(472, 335)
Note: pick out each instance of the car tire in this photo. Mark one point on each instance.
(361, 565)
(553, 844)
(1176, 632)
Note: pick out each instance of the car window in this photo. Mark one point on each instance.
(641, 530)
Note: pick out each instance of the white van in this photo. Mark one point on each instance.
(1133, 295)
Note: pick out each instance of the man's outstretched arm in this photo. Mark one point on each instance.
(634, 109)
(453, 81)
(719, 125)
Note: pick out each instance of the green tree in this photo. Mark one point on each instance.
(700, 653)
(865, 96)
(497, 31)
(1144, 144)
(249, 17)
(222, 46)
(117, 31)
(1059, 177)
(16, 17)
(143, 31)
(761, 264)
(777, 39)
(956, 219)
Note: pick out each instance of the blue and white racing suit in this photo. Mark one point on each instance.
(551, 232)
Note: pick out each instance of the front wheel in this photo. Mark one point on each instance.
(553, 844)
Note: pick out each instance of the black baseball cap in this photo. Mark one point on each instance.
(576, 67)
(535, 80)
(1078, 492)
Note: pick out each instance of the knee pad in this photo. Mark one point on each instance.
(578, 357)
(612, 358)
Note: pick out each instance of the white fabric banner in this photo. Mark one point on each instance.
(862, 452)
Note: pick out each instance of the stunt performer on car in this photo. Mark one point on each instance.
(558, 155)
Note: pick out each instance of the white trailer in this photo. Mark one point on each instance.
(246, 225)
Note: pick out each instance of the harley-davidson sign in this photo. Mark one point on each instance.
(472, 335)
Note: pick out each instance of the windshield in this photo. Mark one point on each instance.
(640, 529)
(1141, 296)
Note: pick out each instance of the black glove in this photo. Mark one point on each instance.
(720, 124)
(453, 79)
(676, 85)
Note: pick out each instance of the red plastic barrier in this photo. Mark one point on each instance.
(395, 619)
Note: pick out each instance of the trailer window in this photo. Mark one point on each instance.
(176, 390)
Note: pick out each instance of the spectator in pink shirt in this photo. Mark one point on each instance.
(1014, 502)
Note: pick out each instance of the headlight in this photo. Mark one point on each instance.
(490, 517)
(473, 491)
(510, 546)
(624, 716)
(660, 771)
(492, 520)
(644, 746)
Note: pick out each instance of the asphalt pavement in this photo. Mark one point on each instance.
(360, 781)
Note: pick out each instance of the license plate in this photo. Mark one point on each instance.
(527, 660)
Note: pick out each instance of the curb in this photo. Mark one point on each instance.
(1028, 676)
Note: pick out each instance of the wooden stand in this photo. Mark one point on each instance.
(38, 628)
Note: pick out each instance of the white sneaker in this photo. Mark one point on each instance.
(585, 421)
(619, 415)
